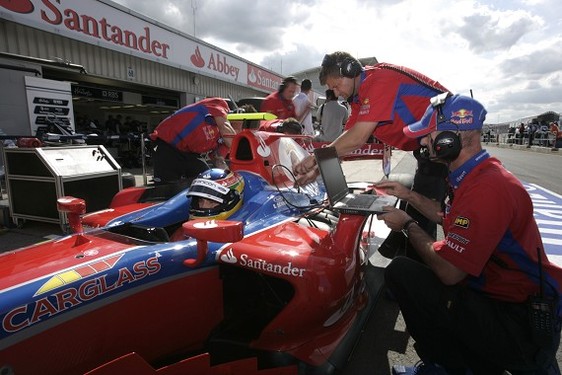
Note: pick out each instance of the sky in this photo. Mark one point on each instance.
(507, 53)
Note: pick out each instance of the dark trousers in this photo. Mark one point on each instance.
(429, 181)
(172, 165)
(461, 329)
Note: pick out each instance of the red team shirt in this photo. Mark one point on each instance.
(193, 128)
(489, 197)
(394, 96)
(280, 107)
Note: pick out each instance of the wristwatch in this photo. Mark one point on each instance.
(407, 226)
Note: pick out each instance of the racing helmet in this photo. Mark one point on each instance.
(221, 186)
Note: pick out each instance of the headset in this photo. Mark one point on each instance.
(286, 81)
(447, 145)
(349, 67)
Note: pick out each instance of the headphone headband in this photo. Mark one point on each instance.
(349, 67)
(328, 61)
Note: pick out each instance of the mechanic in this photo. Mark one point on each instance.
(383, 99)
(183, 140)
(280, 102)
(216, 194)
(467, 307)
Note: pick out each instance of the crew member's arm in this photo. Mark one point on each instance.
(218, 160)
(398, 220)
(353, 138)
(225, 129)
(429, 208)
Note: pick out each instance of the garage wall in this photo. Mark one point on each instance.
(23, 40)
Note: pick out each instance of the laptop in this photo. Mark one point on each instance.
(338, 192)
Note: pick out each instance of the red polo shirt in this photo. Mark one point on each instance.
(394, 96)
(491, 234)
(279, 106)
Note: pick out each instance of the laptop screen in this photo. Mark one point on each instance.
(332, 173)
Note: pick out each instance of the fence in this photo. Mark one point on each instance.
(543, 139)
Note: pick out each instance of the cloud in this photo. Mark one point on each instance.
(535, 64)
(487, 30)
(508, 53)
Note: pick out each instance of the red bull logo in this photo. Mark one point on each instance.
(462, 117)
(462, 113)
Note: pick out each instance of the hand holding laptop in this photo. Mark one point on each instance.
(394, 218)
(393, 188)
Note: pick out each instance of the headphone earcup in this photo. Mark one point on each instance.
(281, 88)
(447, 146)
(350, 68)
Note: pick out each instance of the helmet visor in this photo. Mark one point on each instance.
(203, 188)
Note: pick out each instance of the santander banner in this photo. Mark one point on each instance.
(101, 24)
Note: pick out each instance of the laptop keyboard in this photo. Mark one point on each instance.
(363, 200)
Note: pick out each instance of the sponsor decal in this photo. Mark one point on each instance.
(462, 222)
(217, 62)
(71, 276)
(99, 28)
(262, 80)
(368, 149)
(462, 117)
(365, 108)
(455, 246)
(279, 203)
(65, 299)
(458, 238)
(263, 149)
(262, 264)
(196, 58)
(228, 257)
(18, 6)
(209, 184)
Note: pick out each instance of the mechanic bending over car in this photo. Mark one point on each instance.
(383, 99)
(487, 298)
(183, 140)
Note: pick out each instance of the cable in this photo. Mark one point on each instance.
(282, 194)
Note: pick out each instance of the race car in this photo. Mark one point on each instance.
(270, 281)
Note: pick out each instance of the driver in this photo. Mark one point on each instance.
(216, 194)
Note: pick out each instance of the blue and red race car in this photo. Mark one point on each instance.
(283, 286)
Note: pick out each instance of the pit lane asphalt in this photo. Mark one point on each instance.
(384, 342)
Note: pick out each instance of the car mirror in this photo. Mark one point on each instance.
(211, 230)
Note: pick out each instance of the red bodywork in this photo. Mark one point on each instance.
(163, 326)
